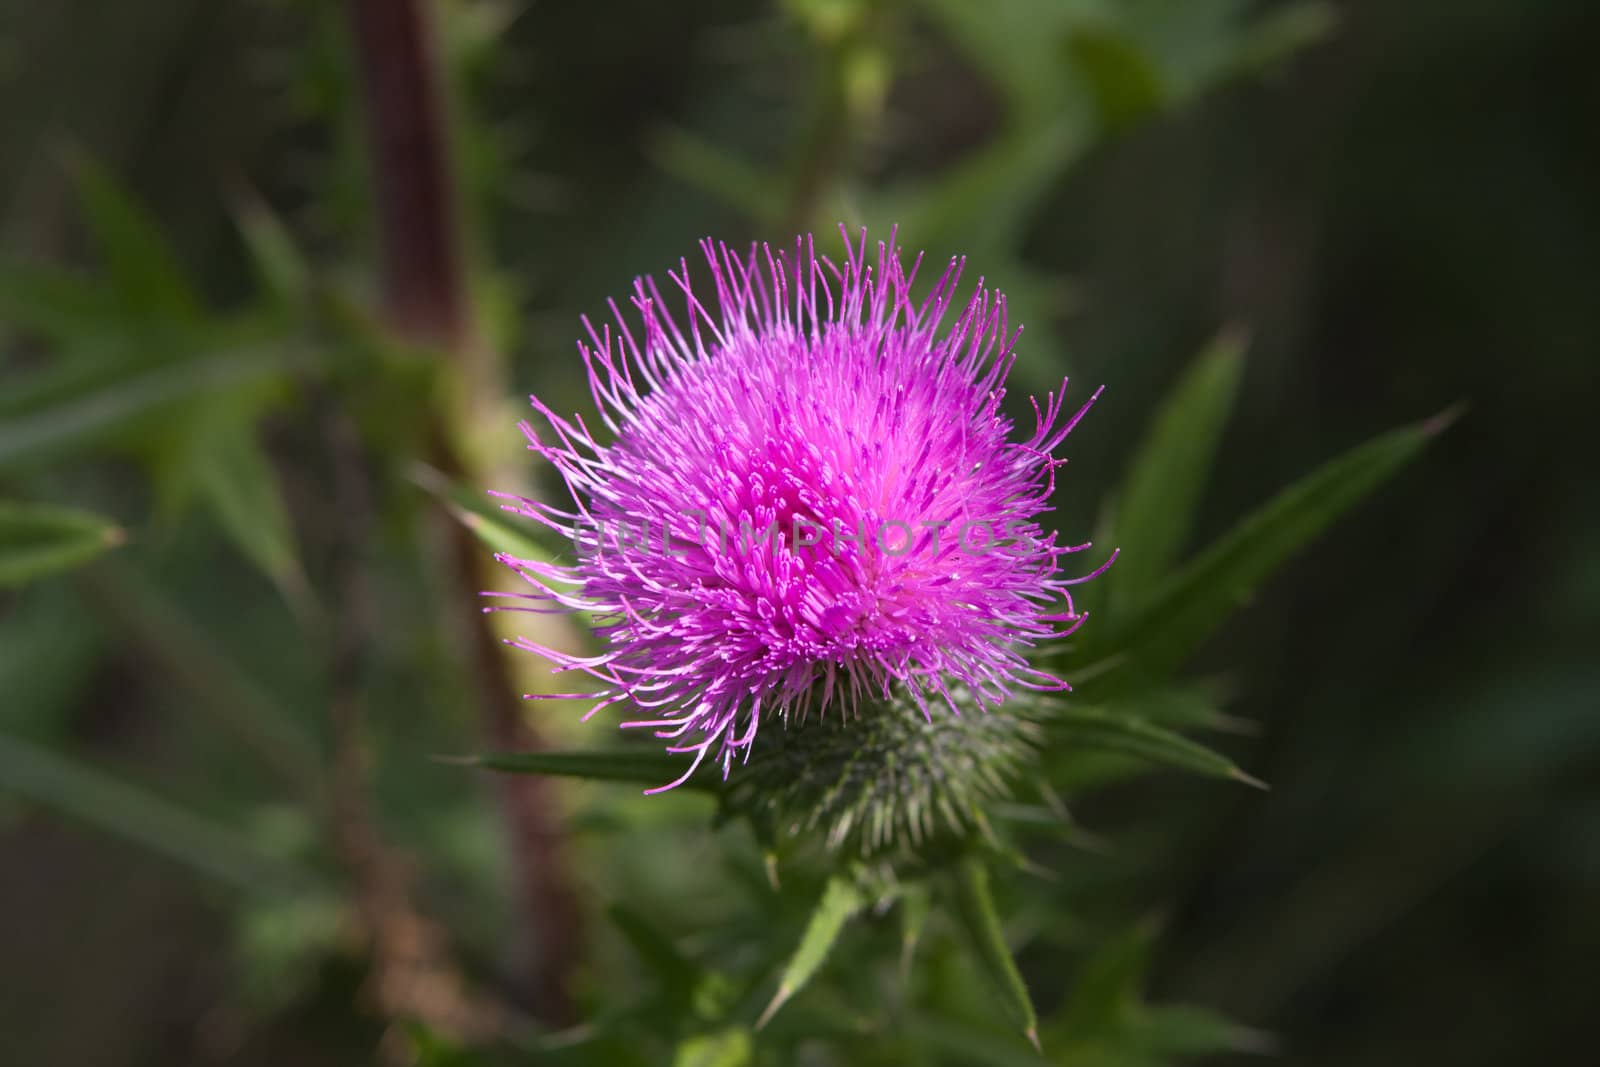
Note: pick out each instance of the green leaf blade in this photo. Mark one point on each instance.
(1162, 633)
(841, 900)
(241, 486)
(143, 269)
(1156, 507)
(652, 768)
(94, 411)
(37, 541)
(725, 1048)
(1103, 730)
(978, 916)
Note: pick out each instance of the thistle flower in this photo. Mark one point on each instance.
(807, 500)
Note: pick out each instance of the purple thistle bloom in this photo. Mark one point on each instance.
(807, 498)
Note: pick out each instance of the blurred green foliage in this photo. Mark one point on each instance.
(1393, 202)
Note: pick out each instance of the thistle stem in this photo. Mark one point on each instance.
(425, 301)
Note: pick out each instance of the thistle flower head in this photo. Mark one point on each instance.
(803, 497)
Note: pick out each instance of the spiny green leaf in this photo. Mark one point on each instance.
(36, 540)
(42, 776)
(653, 768)
(142, 267)
(1156, 506)
(1163, 632)
(1097, 728)
(841, 900)
(975, 911)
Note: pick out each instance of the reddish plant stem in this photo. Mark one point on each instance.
(420, 256)
(425, 301)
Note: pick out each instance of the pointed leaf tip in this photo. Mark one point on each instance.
(648, 767)
(976, 912)
(1250, 780)
(1161, 633)
(840, 902)
(1447, 418)
(779, 999)
(38, 540)
(1160, 496)
(1108, 731)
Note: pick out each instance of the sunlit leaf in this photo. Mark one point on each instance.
(36, 540)
(500, 531)
(732, 1047)
(841, 900)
